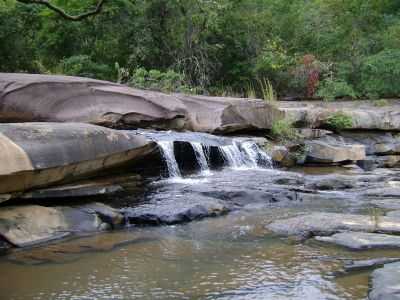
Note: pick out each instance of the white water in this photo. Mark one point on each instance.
(239, 155)
(167, 151)
(201, 157)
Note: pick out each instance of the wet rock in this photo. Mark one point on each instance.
(376, 142)
(362, 240)
(360, 265)
(35, 155)
(33, 224)
(325, 224)
(385, 283)
(29, 97)
(179, 210)
(387, 203)
(319, 151)
(367, 164)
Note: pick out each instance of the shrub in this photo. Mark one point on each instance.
(381, 103)
(82, 65)
(339, 121)
(169, 81)
(331, 89)
(380, 74)
(283, 130)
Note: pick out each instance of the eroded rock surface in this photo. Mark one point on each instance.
(27, 97)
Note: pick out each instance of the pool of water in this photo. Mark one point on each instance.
(229, 257)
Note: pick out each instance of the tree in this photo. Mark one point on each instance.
(63, 13)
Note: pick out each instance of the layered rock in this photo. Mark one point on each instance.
(364, 114)
(26, 97)
(39, 154)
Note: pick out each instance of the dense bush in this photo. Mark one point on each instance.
(339, 121)
(331, 89)
(82, 65)
(380, 74)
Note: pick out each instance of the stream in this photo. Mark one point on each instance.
(232, 256)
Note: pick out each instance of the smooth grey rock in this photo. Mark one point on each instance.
(324, 224)
(367, 164)
(50, 98)
(362, 240)
(331, 182)
(386, 283)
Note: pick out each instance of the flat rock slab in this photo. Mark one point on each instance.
(40, 154)
(386, 283)
(28, 225)
(359, 265)
(175, 211)
(50, 98)
(394, 214)
(325, 224)
(362, 240)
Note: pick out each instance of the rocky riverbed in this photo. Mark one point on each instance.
(135, 210)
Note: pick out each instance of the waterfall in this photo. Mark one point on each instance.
(201, 157)
(245, 155)
(233, 156)
(167, 151)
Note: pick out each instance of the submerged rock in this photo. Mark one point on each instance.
(386, 283)
(33, 224)
(362, 240)
(28, 97)
(40, 154)
(325, 224)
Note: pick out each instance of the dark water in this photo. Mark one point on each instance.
(229, 257)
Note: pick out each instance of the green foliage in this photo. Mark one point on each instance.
(214, 45)
(380, 74)
(82, 65)
(169, 81)
(339, 121)
(283, 130)
(381, 103)
(331, 89)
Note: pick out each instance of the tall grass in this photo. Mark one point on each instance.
(267, 90)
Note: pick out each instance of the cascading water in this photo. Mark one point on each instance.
(201, 157)
(239, 154)
(167, 151)
(247, 155)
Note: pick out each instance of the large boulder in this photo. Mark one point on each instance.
(28, 225)
(39, 154)
(27, 97)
